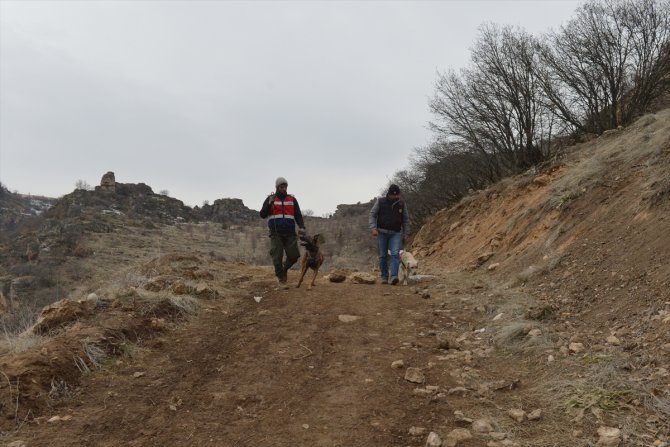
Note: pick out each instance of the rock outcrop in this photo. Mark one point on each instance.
(227, 211)
(108, 182)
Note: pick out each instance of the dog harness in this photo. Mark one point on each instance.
(312, 261)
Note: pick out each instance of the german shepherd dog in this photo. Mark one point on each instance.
(312, 258)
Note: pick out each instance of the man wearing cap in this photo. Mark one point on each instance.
(283, 213)
(389, 222)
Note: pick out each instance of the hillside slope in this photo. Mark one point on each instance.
(596, 219)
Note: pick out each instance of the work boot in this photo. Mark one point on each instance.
(282, 283)
(394, 281)
(385, 281)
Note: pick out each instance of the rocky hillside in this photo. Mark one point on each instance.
(600, 211)
(15, 207)
(226, 211)
(134, 201)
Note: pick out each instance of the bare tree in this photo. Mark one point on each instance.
(605, 66)
(82, 184)
(495, 107)
(648, 22)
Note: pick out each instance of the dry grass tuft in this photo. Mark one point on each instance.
(93, 358)
(60, 390)
(14, 327)
(514, 336)
(607, 400)
(171, 306)
(13, 344)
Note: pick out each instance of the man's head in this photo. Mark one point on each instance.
(281, 184)
(393, 192)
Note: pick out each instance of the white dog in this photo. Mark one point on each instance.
(407, 263)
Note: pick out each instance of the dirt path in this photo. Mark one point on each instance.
(288, 372)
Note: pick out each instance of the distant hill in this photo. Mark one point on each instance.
(15, 207)
(135, 201)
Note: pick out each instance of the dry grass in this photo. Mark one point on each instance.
(638, 146)
(171, 306)
(513, 336)
(534, 271)
(15, 334)
(13, 344)
(603, 394)
(60, 390)
(93, 356)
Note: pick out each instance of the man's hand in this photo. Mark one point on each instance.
(375, 233)
(302, 232)
(271, 199)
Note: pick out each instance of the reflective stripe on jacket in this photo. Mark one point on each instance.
(281, 215)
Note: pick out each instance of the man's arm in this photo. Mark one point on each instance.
(372, 218)
(406, 226)
(298, 214)
(265, 209)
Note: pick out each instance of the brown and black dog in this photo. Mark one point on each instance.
(313, 258)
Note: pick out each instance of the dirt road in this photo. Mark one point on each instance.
(312, 368)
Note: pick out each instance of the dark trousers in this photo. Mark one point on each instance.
(280, 244)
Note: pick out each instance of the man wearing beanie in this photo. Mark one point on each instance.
(389, 221)
(283, 213)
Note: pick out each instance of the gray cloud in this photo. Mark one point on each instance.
(215, 99)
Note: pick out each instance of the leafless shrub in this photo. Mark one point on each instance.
(60, 390)
(82, 184)
(93, 356)
(14, 393)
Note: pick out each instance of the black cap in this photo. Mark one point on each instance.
(393, 189)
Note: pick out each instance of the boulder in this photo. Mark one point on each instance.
(363, 278)
(337, 276)
(61, 313)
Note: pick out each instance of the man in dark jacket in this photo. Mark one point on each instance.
(283, 213)
(389, 222)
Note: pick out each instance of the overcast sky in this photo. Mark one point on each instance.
(214, 99)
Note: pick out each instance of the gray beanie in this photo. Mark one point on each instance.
(280, 181)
